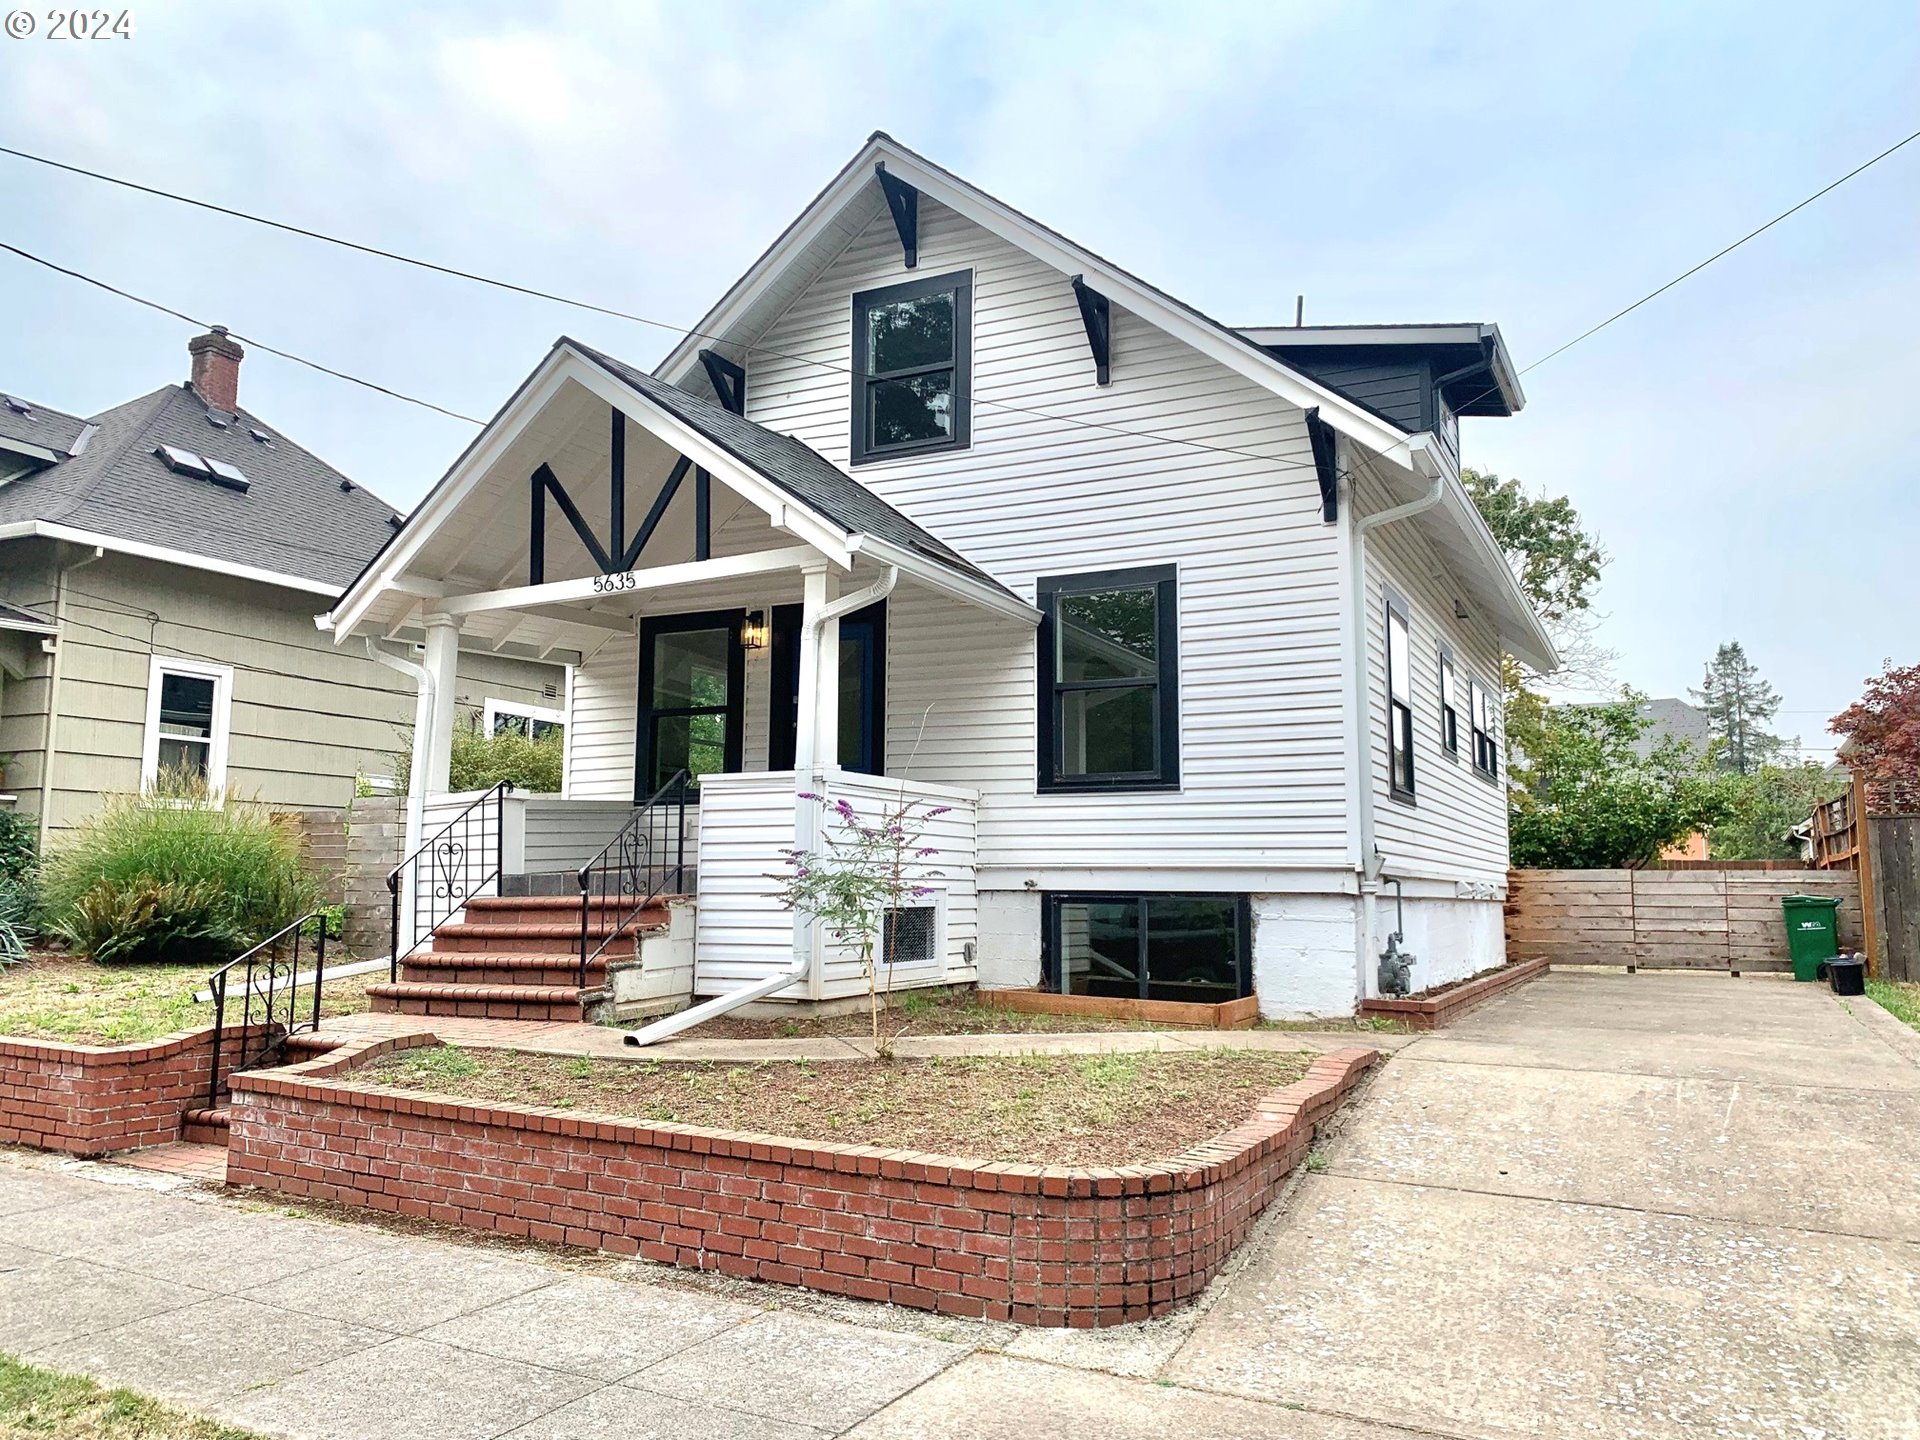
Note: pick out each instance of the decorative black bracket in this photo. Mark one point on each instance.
(616, 556)
(1325, 463)
(729, 381)
(904, 201)
(660, 503)
(546, 483)
(702, 515)
(1097, 315)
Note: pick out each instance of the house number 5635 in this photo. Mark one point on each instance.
(607, 584)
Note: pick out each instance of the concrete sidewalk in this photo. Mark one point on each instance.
(1653, 1206)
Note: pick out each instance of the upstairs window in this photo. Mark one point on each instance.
(1486, 753)
(1399, 700)
(1109, 681)
(912, 351)
(1449, 705)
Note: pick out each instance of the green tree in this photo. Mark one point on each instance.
(480, 761)
(1558, 563)
(1739, 704)
(1766, 805)
(1592, 802)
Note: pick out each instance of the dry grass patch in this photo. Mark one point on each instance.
(53, 996)
(52, 1406)
(916, 1012)
(1037, 1109)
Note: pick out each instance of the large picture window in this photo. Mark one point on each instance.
(1109, 681)
(1149, 947)
(691, 671)
(1399, 700)
(189, 709)
(912, 348)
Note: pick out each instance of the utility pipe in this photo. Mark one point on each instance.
(1361, 757)
(805, 964)
(50, 744)
(422, 722)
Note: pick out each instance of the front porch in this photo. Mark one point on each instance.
(739, 652)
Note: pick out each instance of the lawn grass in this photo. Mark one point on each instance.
(53, 1406)
(1900, 999)
(57, 997)
(1040, 1109)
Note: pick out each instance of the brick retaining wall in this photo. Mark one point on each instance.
(1434, 1010)
(96, 1099)
(1037, 1245)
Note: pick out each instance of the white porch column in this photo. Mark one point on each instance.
(442, 663)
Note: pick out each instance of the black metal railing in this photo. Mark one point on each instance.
(269, 976)
(646, 860)
(462, 859)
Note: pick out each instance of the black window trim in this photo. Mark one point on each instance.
(1449, 668)
(860, 451)
(783, 680)
(652, 627)
(1488, 773)
(1400, 732)
(1166, 773)
(1051, 902)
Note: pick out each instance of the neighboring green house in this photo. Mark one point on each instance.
(161, 565)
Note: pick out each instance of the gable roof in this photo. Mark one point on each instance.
(18, 617)
(299, 522)
(847, 204)
(796, 468)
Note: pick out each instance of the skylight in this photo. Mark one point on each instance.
(18, 406)
(262, 436)
(228, 475)
(185, 462)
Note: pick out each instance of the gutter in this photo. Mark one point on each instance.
(49, 749)
(805, 964)
(1360, 755)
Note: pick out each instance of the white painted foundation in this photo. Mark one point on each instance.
(1009, 953)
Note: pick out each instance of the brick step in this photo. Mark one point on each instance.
(307, 1045)
(557, 909)
(487, 1002)
(504, 967)
(206, 1125)
(544, 939)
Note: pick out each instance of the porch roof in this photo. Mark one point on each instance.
(450, 555)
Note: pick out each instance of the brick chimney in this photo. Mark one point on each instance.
(216, 368)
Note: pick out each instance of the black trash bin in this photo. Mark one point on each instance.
(1848, 974)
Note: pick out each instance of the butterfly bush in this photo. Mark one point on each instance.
(860, 874)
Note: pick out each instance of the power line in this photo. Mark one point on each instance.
(256, 343)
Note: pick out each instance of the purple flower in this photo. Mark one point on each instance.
(846, 812)
(938, 811)
(920, 892)
(809, 795)
(925, 851)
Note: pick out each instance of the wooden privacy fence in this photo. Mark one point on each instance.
(1894, 883)
(1680, 919)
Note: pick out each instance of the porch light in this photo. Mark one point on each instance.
(753, 630)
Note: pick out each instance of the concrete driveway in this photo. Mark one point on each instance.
(1605, 1206)
(1651, 1205)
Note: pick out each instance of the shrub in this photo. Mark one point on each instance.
(480, 761)
(19, 883)
(173, 875)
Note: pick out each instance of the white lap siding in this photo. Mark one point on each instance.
(1456, 829)
(1261, 760)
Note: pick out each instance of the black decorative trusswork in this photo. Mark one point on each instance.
(904, 201)
(269, 977)
(646, 860)
(660, 503)
(1097, 315)
(462, 859)
(729, 381)
(1320, 436)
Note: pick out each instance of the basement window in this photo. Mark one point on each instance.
(909, 935)
(912, 354)
(1195, 948)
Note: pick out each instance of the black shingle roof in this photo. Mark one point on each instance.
(796, 468)
(294, 519)
(33, 424)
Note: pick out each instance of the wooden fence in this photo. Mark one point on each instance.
(1893, 843)
(1667, 919)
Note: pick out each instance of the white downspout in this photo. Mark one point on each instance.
(1361, 757)
(805, 964)
(422, 720)
(50, 742)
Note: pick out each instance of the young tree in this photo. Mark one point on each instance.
(1739, 704)
(1592, 802)
(1766, 805)
(1882, 736)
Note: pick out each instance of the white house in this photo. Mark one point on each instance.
(1193, 631)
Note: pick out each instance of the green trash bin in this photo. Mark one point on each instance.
(1812, 935)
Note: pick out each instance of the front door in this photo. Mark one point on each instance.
(691, 688)
(863, 688)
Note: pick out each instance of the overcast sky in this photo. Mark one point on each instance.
(1743, 445)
